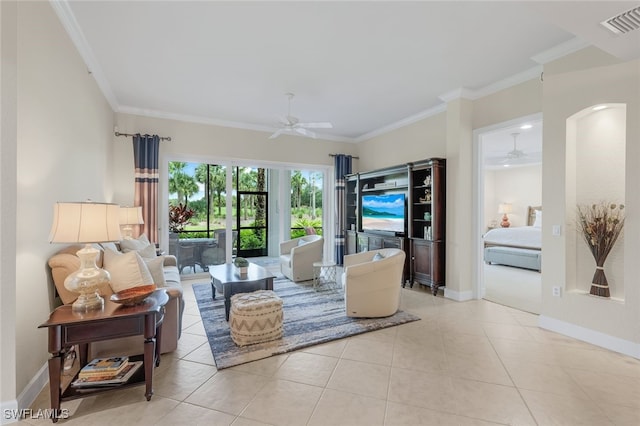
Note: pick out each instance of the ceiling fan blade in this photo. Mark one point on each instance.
(277, 133)
(318, 125)
(305, 132)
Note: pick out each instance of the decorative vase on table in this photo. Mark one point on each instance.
(600, 225)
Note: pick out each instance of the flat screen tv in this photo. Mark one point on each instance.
(383, 212)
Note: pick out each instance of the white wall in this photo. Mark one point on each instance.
(567, 91)
(520, 186)
(64, 138)
(8, 172)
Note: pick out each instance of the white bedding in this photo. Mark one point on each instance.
(519, 236)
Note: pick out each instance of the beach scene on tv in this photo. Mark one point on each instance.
(383, 212)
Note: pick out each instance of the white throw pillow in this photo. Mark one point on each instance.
(302, 242)
(378, 256)
(141, 245)
(538, 222)
(127, 270)
(156, 268)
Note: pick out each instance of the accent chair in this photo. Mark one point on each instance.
(297, 257)
(372, 282)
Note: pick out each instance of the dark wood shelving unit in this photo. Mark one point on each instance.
(423, 237)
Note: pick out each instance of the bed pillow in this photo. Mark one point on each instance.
(538, 222)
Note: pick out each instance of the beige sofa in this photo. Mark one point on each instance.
(297, 257)
(65, 262)
(372, 283)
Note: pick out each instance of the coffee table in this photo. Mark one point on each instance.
(226, 280)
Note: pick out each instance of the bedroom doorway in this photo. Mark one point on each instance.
(509, 198)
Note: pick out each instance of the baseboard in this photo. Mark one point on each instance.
(8, 410)
(459, 296)
(597, 338)
(11, 410)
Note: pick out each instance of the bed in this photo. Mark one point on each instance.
(518, 246)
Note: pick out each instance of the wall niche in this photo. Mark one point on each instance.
(595, 159)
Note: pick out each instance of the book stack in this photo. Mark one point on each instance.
(111, 371)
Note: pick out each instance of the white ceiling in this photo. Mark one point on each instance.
(367, 67)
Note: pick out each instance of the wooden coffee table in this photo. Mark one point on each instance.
(226, 280)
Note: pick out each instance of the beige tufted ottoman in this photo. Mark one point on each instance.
(255, 317)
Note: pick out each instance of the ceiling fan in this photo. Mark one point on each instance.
(515, 153)
(291, 124)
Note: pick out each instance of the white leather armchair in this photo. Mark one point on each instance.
(372, 287)
(297, 257)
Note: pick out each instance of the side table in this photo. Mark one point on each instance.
(67, 328)
(324, 273)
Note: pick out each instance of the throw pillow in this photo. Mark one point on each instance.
(156, 268)
(302, 242)
(141, 245)
(378, 256)
(127, 270)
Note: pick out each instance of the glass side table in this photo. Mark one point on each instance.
(324, 274)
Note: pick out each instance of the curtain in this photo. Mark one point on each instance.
(145, 157)
(343, 167)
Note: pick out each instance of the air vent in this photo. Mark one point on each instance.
(624, 22)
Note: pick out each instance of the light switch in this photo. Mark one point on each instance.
(555, 230)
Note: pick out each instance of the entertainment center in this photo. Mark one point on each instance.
(401, 207)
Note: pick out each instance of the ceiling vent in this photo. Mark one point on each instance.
(624, 22)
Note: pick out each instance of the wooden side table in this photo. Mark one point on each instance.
(67, 328)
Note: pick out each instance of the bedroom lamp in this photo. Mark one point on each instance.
(86, 222)
(130, 216)
(505, 209)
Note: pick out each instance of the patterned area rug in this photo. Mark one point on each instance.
(310, 317)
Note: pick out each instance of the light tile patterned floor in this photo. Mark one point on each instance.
(472, 363)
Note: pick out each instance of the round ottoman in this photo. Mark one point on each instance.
(255, 317)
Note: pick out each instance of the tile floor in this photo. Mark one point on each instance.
(472, 363)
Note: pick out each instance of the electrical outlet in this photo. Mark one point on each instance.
(556, 291)
(556, 230)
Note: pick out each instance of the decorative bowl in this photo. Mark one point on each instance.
(133, 296)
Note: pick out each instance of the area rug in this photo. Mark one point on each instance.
(310, 317)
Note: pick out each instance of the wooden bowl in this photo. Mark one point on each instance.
(133, 296)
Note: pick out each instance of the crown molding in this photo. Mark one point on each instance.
(402, 123)
(151, 113)
(562, 49)
(508, 82)
(459, 93)
(70, 24)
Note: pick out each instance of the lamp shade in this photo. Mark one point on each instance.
(505, 208)
(131, 216)
(85, 222)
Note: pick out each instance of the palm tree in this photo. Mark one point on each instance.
(297, 183)
(181, 183)
(247, 180)
(215, 181)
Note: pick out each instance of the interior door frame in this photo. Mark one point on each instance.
(478, 226)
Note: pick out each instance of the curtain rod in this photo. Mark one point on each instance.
(353, 156)
(162, 138)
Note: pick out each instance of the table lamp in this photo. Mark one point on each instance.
(130, 216)
(505, 209)
(86, 223)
